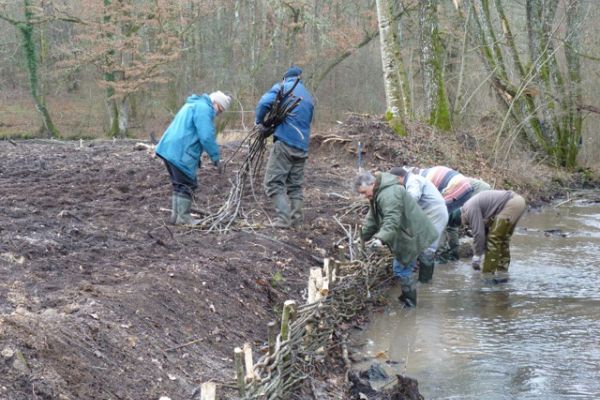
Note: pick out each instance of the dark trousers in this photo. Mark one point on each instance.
(181, 182)
(285, 171)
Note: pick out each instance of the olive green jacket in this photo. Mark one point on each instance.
(397, 220)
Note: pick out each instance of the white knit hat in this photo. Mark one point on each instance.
(221, 99)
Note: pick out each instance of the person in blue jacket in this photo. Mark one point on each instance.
(284, 175)
(191, 133)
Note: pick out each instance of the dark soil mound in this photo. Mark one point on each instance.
(422, 146)
(101, 298)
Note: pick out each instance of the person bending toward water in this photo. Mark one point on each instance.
(396, 220)
(492, 216)
(433, 205)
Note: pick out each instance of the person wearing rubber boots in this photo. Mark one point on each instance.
(433, 205)
(456, 189)
(452, 233)
(284, 174)
(492, 216)
(191, 133)
(395, 220)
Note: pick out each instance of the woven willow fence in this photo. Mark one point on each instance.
(336, 293)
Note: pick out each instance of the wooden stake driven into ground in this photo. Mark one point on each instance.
(248, 362)
(239, 370)
(272, 332)
(208, 391)
(288, 315)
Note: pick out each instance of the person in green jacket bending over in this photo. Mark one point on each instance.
(395, 220)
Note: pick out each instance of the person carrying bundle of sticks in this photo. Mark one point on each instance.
(284, 175)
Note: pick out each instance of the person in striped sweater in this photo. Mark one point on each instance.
(456, 189)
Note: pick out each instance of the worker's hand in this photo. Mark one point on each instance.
(263, 130)
(374, 243)
(219, 165)
(476, 262)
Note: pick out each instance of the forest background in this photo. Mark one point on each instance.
(514, 74)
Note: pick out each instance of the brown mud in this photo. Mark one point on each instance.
(101, 299)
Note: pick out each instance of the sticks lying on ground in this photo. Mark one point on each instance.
(249, 171)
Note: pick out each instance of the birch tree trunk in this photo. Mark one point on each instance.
(390, 54)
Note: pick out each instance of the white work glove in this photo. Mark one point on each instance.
(374, 243)
(476, 262)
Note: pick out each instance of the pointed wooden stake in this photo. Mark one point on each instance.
(272, 332)
(208, 391)
(239, 370)
(289, 308)
(248, 362)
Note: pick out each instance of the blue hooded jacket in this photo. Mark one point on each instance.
(295, 130)
(191, 132)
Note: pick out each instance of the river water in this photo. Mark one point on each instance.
(535, 337)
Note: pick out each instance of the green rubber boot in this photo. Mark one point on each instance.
(173, 217)
(426, 266)
(409, 291)
(497, 254)
(297, 216)
(183, 210)
(453, 243)
(282, 208)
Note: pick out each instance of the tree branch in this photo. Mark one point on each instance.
(348, 52)
(10, 20)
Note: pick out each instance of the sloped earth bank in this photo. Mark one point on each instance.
(101, 299)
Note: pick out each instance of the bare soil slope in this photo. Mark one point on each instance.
(101, 298)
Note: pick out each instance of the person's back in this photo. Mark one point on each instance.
(190, 133)
(412, 232)
(426, 194)
(284, 173)
(295, 129)
(486, 204)
(492, 216)
(480, 210)
(454, 186)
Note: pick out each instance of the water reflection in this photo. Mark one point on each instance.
(536, 337)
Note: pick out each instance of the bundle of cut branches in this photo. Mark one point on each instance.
(249, 172)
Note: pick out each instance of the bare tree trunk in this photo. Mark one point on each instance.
(26, 29)
(575, 91)
(541, 55)
(543, 103)
(390, 53)
(461, 72)
(434, 86)
(124, 108)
